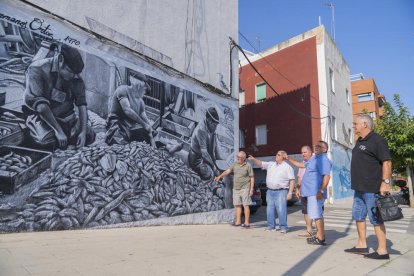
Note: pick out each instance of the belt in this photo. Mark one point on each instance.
(278, 189)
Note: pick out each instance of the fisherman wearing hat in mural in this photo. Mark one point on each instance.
(201, 157)
(53, 87)
(127, 120)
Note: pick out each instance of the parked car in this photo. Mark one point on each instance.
(263, 189)
(257, 200)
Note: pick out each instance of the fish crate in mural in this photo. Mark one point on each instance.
(139, 154)
(10, 133)
(21, 165)
(178, 124)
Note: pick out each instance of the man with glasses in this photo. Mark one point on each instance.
(314, 184)
(370, 178)
(53, 88)
(280, 180)
(243, 185)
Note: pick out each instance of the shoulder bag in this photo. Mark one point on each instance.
(388, 208)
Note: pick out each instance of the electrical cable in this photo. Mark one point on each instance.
(271, 87)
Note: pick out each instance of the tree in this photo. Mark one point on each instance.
(397, 127)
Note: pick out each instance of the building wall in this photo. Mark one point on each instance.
(298, 87)
(189, 36)
(304, 61)
(136, 177)
(366, 86)
(334, 104)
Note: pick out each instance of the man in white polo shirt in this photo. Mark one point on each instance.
(280, 180)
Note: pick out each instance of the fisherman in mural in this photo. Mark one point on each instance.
(127, 120)
(201, 157)
(53, 87)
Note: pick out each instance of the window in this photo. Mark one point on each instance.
(241, 99)
(334, 133)
(332, 80)
(242, 138)
(373, 115)
(365, 97)
(350, 136)
(261, 135)
(348, 100)
(260, 92)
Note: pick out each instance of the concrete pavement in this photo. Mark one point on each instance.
(199, 250)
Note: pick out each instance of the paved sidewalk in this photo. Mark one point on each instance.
(196, 250)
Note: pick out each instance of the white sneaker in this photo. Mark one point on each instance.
(283, 231)
(270, 230)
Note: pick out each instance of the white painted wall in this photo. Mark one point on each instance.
(333, 104)
(192, 36)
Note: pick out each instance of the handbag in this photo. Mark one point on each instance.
(388, 208)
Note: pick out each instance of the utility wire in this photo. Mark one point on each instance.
(271, 87)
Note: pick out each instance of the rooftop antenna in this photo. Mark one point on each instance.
(332, 7)
(258, 41)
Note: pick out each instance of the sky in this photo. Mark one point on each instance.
(376, 37)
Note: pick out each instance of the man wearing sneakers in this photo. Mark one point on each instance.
(370, 176)
(280, 180)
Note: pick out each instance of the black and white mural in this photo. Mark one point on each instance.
(93, 135)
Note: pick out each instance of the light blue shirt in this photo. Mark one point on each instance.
(316, 168)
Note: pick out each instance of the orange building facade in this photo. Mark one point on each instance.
(366, 98)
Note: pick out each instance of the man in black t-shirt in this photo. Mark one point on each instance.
(370, 176)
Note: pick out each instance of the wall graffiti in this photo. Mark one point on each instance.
(88, 139)
(341, 174)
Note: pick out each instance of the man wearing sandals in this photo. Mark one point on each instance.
(280, 180)
(243, 185)
(370, 176)
(314, 183)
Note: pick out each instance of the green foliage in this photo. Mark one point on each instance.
(397, 127)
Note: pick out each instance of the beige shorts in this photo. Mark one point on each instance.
(241, 197)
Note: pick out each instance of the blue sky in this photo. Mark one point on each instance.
(376, 37)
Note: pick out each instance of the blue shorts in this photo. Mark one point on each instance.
(315, 207)
(364, 203)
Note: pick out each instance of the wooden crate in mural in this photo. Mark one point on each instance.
(10, 133)
(178, 124)
(20, 166)
(167, 136)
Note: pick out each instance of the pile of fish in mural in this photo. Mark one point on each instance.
(104, 185)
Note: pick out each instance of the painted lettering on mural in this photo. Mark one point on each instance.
(40, 26)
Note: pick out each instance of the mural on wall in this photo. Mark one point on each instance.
(88, 139)
(341, 174)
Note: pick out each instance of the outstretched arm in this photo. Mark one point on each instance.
(256, 161)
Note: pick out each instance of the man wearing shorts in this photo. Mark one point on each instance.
(370, 177)
(314, 183)
(243, 184)
(306, 154)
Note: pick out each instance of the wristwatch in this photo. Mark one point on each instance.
(387, 180)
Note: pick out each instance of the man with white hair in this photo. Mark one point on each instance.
(280, 180)
(243, 185)
(127, 120)
(370, 178)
